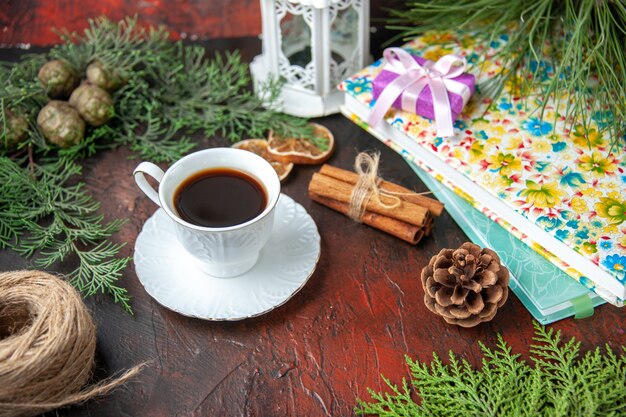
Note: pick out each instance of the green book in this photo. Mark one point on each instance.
(548, 293)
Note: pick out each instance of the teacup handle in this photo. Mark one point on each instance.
(155, 172)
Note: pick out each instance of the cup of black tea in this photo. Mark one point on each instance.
(222, 202)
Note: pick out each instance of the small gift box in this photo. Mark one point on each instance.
(436, 90)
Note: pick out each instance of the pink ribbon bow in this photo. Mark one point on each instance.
(414, 78)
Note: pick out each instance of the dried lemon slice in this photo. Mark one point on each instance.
(308, 151)
(259, 147)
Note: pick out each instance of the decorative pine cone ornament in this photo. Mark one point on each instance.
(16, 129)
(93, 103)
(58, 78)
(99, 75)
(61, 124)
(466, 285)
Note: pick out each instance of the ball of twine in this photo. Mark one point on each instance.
(47, 345)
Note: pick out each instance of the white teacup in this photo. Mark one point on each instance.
(219, 251)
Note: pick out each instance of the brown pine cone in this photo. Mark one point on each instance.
(466, 285)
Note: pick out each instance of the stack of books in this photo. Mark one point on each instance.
(547, 195)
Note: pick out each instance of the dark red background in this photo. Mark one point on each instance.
(356, 318)
(31, 21)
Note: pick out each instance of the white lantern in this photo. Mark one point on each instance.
(312, 45)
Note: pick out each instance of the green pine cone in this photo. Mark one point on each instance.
(100, 76)
(16, 129)
(61, 124)
(58, 78)
(93, 103)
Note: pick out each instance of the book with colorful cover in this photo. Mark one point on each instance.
(556, 190)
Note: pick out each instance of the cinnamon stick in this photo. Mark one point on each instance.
(434, 206)
(428, 227)
(405, 231)
(332, 188)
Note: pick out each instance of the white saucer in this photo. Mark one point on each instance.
(170, 276)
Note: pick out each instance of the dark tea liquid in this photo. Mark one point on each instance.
(219, 197)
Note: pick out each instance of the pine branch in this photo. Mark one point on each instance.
(43, 215)
(399, 404)
(560, 384)
(171, 91)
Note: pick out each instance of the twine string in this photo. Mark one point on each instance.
(368, 187)
(47, 346)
